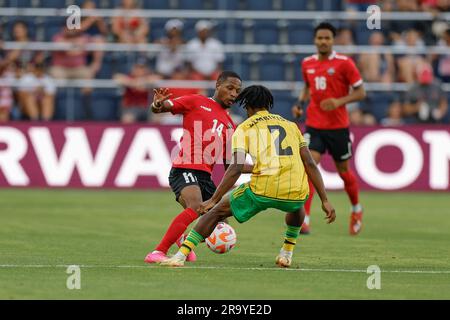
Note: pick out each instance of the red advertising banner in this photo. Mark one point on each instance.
(105, 155)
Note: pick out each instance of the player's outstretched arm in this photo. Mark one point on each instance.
(160, 104)
(316, 178)
(232, 174)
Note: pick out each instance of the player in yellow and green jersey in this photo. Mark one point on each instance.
(282, 165)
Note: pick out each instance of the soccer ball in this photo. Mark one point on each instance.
(222, 239)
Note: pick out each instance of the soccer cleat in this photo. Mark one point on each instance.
(192, 257)
(175, 261)
(283, 261)
(355, 223)
(155, 257)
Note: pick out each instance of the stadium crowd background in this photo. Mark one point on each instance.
(410, 80)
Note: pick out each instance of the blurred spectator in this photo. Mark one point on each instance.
(36, 94)
(345, 37)
(36, 90)
(171, 56)
(377, 67)
(358, 117)
(205, 54)
(435, 6)
(398, 27)
(22, 60)
(129, 29)
(93, 26)
(181, 74)
(74, 63)
(407, 63)
(443, 61)
(6, 93)
(137, 95)
(394, 115)
(426, 101)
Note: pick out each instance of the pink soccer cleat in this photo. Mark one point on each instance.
(155, 257)
(355, 223)
(191, 256)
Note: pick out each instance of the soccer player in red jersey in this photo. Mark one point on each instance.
(206, 125)
(328, 77)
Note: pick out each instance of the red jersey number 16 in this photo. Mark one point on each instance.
(321, 83)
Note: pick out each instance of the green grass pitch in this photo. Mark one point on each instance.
(108, 233)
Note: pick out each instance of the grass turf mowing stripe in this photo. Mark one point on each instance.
(12, 266)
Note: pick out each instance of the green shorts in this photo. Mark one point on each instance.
(245, 204)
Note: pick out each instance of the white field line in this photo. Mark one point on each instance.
(31, 266)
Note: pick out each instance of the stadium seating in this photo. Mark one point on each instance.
(52, 4)
(272, 68)
(297, 5)
(266, 32)
(254, 67)
(156, 4)
(300, 32)
(259, 4)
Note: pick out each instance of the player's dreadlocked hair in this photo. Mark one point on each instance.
(256, 97)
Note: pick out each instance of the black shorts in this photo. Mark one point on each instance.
(180, 178)
(337, 142)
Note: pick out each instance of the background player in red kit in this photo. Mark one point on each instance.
(328, 78)
(204, 120)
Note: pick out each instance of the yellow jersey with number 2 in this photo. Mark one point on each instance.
(274, 144)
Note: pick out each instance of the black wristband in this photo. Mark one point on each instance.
(300, 103)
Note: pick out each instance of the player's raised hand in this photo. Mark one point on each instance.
(329, 212)
(329, 104)
(297, 111)
(206, 206)
(160, 95)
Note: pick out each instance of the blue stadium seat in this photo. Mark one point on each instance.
(105, 72)
(242, 65)
(283, 101)
(105, 104)
(260, 4)
(266, 32)
(296, 5)
(20, 3)
(68, 104)
(157, 30)
(226, 4)
(300, 33)
(328, 5)
(229, 31)
(156, 4)
(52, 26)
(361, 33)
(377, 103)
(272, 68)
(191, 4)
(58, 4)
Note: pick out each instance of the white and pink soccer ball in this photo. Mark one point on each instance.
(222, 239)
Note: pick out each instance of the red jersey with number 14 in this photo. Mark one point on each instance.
(331, 78)
(207, 127)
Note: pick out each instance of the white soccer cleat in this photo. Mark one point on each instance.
(283, 261)
(175, 261)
